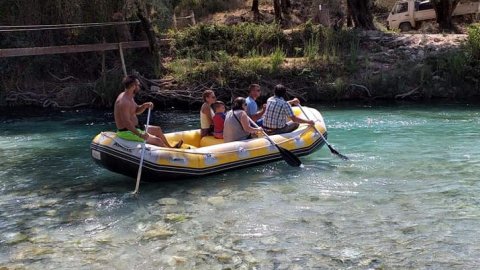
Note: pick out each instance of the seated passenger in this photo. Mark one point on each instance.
(206, 113)
(218, 119)
(237, 123)
(277, 111)
(125, 114)
(252, 108)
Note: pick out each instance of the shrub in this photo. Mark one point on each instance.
(236, 40)
(474, 40)
(277, 58)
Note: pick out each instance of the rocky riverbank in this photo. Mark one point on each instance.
(387, 66)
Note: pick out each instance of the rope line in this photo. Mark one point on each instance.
(196, 152)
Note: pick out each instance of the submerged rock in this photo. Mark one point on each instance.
(32, 252)
(172, 217)
(177, 260)
(168, 201)
(216, 201)
(225, 192)
(15, 238)
(269, 240)
(51, 213)
(224, 258)
(157, 232)
(41, 239)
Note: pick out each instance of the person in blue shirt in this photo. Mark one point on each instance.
(277, 112)
(252, 108)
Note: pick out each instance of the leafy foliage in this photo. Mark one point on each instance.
(474, 40)
(236, 40)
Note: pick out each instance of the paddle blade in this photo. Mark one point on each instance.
(289, 157)
(335, 152)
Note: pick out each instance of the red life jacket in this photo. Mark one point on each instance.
(218, 122)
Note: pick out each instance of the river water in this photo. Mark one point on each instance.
(408, 198)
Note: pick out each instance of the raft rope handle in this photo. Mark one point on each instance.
(192, 151)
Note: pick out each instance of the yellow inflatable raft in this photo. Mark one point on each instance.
(202, 156)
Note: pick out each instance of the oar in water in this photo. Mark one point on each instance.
(335, 152)
(139, 174)
(288, 156)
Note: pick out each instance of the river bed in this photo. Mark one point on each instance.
(408, 198)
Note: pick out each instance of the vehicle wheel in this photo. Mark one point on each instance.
(405, 27)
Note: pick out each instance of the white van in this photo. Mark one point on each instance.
(408, 14)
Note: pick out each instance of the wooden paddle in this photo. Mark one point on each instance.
(323, 138)
(288, 156)
(139, 174)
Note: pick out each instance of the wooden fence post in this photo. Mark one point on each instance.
(104, 68)
(324, 15)
(192, 15)
(174, 21)
(124, 67)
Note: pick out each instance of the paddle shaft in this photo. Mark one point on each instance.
(263, 131)
(288, 156)
(323, 138)
(139, 174)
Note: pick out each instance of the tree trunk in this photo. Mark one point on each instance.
(256, 11)
(361, 14)
(349, 16)
(152, 40)
(444, 10)
(278, 11)
(255, 6)
(286, 5)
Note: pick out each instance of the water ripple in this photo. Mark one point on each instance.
(406, 199)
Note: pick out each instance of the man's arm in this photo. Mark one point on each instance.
(141, 108)
(258, 115)
(294, 102)
(301, 120)
(292, 115)
(253, 114)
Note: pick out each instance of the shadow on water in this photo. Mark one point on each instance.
(264, 174)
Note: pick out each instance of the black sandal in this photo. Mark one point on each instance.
(178, 144)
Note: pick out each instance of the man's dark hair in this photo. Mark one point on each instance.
(253, 86)
(216, 105)
(280, 91)
(129, 80)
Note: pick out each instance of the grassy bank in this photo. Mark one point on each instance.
(319, 63)
(316, 63)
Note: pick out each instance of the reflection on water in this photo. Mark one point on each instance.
(407, 199)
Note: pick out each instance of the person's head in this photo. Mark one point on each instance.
(131, 81)
(280, 91)
(209, 96)
(239, 104)
(254, 91)
(218, 107)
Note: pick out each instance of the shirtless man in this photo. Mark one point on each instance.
(125, 113)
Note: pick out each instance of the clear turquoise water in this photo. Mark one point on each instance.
(409, 198)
